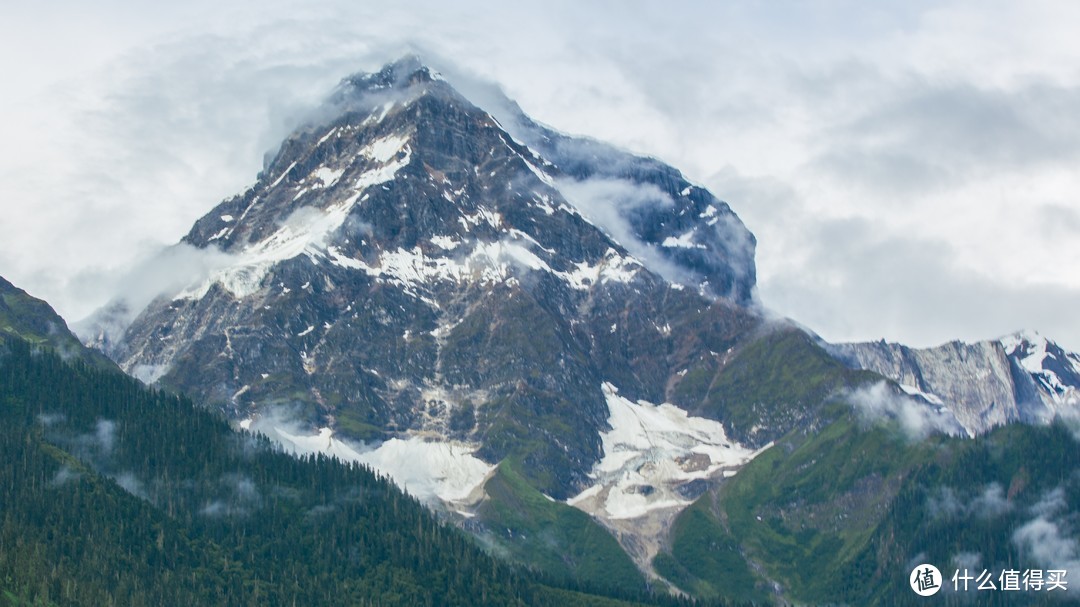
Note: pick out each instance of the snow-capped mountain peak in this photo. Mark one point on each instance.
(646, 210)
(1056, 370)
(405, 268)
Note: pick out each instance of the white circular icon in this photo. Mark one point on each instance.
(925, 580)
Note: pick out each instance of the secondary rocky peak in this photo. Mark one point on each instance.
(1056, 370)
(1020, 377)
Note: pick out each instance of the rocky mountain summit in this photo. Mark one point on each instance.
(406, 273)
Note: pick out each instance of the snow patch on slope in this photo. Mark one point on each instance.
(301, 444)
(649, 453)
(327, 176)
(613, 268)
(1028, 347)
(657, 460)
(445, 242)
(913, 391)
(489, 262)
(384, 149)
(428, 470)
(685, 241)
(486, 263)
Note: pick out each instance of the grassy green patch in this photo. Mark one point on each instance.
(351, 423)
(799, 514)
(774, 384)
(710, 563)
(556, 539)
(803, 506)
(807, 506)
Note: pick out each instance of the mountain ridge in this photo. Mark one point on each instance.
(25, 317)
(1021, 377)
(499, 317)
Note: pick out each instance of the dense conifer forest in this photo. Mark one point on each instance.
(114, 494)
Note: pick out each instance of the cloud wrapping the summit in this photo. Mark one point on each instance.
(605, 202)
(908, 168)
(163, 274)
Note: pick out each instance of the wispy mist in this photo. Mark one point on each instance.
(918, 419)
(991, 502)
(238, 495)
(1050, 537)
(163, 274)
(605, 202)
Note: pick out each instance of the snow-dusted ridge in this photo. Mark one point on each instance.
(1057, 371)
(486, 263)
(308, 230)
(1021, 377)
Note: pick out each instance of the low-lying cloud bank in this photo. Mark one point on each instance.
(1049, 538)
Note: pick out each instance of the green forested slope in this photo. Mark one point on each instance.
(116, 495)
(839, 517)
(26, 317)
(836, 511)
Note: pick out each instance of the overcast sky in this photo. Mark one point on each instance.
(909, 168)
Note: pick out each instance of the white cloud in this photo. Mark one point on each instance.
(131, 483)
(63, 476)
(918, 419)
(165, 272)
(605, 203)
(105, 433)
(1046, 544)
(239, 496)
(1048, 539)
(991, 502)
(967, 560)
(933, 142)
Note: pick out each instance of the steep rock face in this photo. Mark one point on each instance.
(406, 268)
(689, 236)
(1021, 377)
